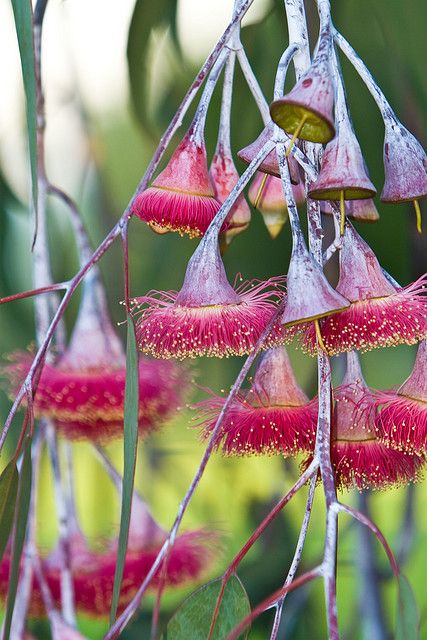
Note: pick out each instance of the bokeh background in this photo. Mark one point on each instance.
(113, 74)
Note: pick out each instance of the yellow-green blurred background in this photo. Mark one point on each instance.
(101, 132)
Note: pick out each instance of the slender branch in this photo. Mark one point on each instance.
(59, 286)
(282, 69)
(297, 556)
(129, 611)
(253, 85)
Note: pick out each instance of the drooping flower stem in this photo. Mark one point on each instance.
(297, 556)
(282, 69)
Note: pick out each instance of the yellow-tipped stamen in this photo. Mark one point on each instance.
(319, 336)
(418, 215)
(296, 134)
(342, 213)
(260, 190)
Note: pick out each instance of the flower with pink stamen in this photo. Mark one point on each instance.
(402, 417)
(380, 314)
(273, 417)
(359, 458)
(182, 197)
(84, 391)
(208, 316)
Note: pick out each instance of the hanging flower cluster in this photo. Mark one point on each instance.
(376, 438)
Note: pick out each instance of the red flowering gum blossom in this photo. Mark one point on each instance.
(182, 196)
(405, 165)
(93, 571)
(310, 296)
(380, 315)
(402, 418)
(208, 316)
(358, 457)
(361, 210)
(270, 163)
(224, 177)
(266, 195)
(307, 110)
(84, 391)
(343, 172)
(273, 417)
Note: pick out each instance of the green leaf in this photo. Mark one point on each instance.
(146, 17)
(194, 616)
(21, 517)
(8, 490)
(408, 617)
(23, 14)
(130, 441)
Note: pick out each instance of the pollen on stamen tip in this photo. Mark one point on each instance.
(273, 417)
(399, 318)
(182, 197)
(166, 329)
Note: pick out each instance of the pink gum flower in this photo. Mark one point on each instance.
(402, 417)
(273, 417)
(182, 197)
(208, 316)
(380, 315)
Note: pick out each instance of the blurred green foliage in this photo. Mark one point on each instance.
(234, 494)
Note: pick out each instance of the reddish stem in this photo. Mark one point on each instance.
(357, 515)
(273, 599)
(308, 473)
(59, 286)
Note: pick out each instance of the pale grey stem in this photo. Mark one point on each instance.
(298, 28)
(224, 132)
(282, 70)
(297, 235)
(109, 467)
(129, 611)
(253, 85)
(67, 587)
(69, 482)
(199, 121)
(337, 242)
(45, 307)
(297, 556)
(363, 71)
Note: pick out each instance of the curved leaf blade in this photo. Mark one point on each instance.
(21, 518)
(23, 14)
(194, 616)
(9, 480)
(408, 617)
(130, 441)
(146, 17)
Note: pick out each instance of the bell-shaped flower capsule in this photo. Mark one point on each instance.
(224, 178)
(273, 417)
(405, 167)
(380, 315)
(358, 457)
(402, 418)
(270, 164)
(208, 316)
(307, 110)
(266, 194)
(310, 296)
(182, 197)
(360, 210)
(342, 174)
(84, 391)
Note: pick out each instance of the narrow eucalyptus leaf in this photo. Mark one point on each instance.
(9, 480)
(194, 616)
(130, 440)
(23, 14)
(408, 617)
(21, 518)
